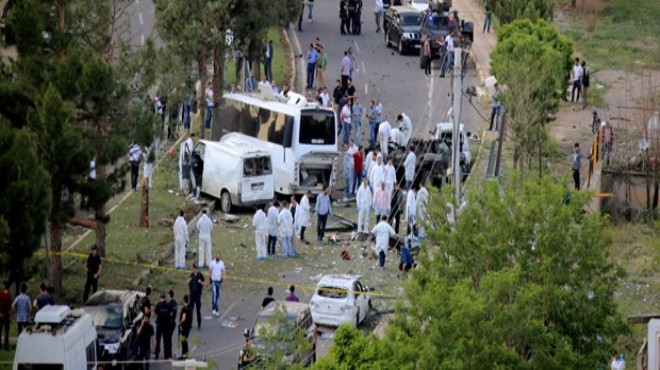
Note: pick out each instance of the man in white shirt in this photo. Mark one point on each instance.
(181, 239)
(204, 227)
(346, 120)
(303, 219)
(271, 220)
(389, 176)
(345, 70)
(134, 155)
(376, 174)
(209, 105)
(449, 54)
(576, 77)
(216, 272)
(325, 97)
(384, 132)
(363, 202)
(285, 224)
(383, 231)
(260, 230)
(409, 167)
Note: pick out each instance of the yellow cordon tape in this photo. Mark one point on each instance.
(229, 277)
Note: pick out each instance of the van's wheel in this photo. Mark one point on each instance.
(225, 202)
(387, 38)
(400, 46)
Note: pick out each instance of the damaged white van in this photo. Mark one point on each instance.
(234, 171)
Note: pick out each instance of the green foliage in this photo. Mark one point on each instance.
(351, 350)
(24, 199)
(280, 341)
(520, 281)
(508, 11)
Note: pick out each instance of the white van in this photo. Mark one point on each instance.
(60, 339)
(301, 137)
(235, 171)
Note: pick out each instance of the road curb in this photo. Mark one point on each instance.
(296, 50)
(292, 54)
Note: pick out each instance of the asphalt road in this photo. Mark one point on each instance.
(381, 73)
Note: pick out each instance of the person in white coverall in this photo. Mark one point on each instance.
(409, 167)
(382, 231)
(369, 162)
(302, 215)
(405, 128)
(389, 176)
(411, 211)
(422, 201)
(376, 174)
(181, 239)
(285, 225)
(381, 202)
(260, 230)
(384, 132)
(185, 165)
(271, 220)
(204, 227)
(363, 202)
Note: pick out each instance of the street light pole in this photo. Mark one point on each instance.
(456, 143)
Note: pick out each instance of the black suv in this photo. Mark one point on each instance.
(115, 313)
(401, 26)
(438, 24)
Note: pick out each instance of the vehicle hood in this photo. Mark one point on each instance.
(108, 335)
(413, 29)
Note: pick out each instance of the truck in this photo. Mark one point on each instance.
(434, 155)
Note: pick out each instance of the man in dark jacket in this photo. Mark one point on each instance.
(162, 312)
(195, 286)
(185, 324)
(396, 206)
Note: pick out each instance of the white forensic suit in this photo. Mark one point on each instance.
(389, 178)
(384, 132)
(204, 226)
(376, 174)
(181, 238)
(363, 202)
(259, 224)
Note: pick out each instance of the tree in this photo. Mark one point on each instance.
(508, 11)
(522, 280)
(529, 61)
(24, 199)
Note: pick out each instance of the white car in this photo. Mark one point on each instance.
(340, 299)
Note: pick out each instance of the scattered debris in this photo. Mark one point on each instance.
(229, 218)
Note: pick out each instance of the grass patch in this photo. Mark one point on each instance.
(619, 35)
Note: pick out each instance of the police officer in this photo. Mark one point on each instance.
(162, 311)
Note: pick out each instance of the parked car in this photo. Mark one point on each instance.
(438, 24)
(298, 322)
(340, 299)
(115, 313)
(401, 26)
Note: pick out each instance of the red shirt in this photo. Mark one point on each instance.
(5, 302)
(358, 162)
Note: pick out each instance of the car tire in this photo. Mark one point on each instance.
(225, 202)
(400, 47)
(387, 38)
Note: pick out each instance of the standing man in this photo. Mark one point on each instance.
(357, 18)
(363, 203)
(93, 269)
(268, 59)
(585, 82)
(323, 209)
(5, 310)
(295, 228)
(260, 229)
(321, 65)
(185, 324)
(389, 177)
(396, 204)
(312, 54)
(209, 105)
(383, 231)
(426, 49)
(378, 13)
(384, 133)
(358, 168)
(449, 54)
(381, 202)
(310, 14)
(292, 297)
(376, 173)
(300, 16)
(577, 154)
(172, 311)
(302, 215)
(285, 225)
(134, 154)
(595, 124)
(357, 111)
(43, 298)
(181, 240)
(495, 108)
(607, 139)
(348, 172)
(576, 77)
(343, 16)
(345, 70)
(21, 306)
(374, 122)
(271, 218)
(145, 334)
(489, 16)
(162, 312)
(204, 227)
(411, 212)
(409, 165)
(216, 273)
(346, 121)
(195, 285)
(422, 204)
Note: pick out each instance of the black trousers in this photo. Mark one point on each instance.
(395, 221)
(135, 166)
(90, 283)
(272, 245)
(302, 233)
(320, 226)
(427, 65)
(576, 179)
(357, 24)
(164, 331)
(196, 304)
(183, 338)
(343, 27)
(344, 83)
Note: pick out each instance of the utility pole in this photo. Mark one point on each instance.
(456, 113)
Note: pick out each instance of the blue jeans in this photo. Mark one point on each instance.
(216, 286)
(373, 132)
(357, 180)
(381, 259)
(209, 117)
(311, 68)
(348, 176)
(358, 132)
(268, 69)
(287, 250)
(311, 12)
(408, 184)
(347, 132)
(449, 62)
(378, 15)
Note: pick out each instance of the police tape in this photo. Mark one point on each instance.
(164, 268)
